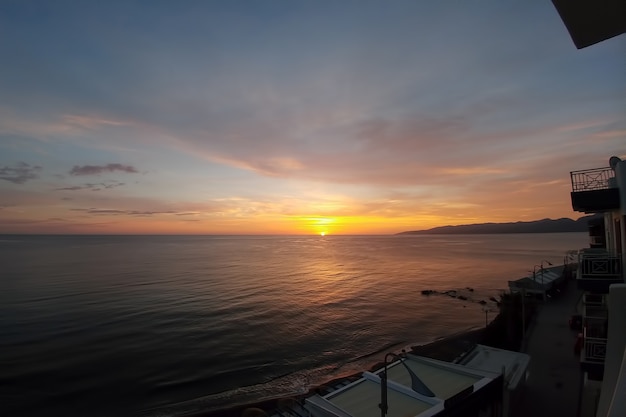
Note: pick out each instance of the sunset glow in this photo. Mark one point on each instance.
(309, 118)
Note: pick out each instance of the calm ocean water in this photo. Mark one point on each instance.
(166, 325)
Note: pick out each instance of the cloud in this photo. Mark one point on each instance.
(74, 188)
(20, 173)
(51, 225)
(92, 186)
(99, 169)
(610, 134)
(114, 212)
(468, 118)
(87, 122)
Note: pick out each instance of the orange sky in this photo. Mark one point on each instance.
(329, 118)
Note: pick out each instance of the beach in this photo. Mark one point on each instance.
(446, 349)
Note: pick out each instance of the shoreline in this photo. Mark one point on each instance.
(446, 348)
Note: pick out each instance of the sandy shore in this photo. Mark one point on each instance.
(445, 349)
(450, 347)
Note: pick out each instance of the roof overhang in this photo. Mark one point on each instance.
(592, 21)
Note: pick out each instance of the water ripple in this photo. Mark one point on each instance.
(167, 325)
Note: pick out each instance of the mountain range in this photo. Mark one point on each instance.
(538, 226)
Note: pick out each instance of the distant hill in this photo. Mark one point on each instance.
(537, 226)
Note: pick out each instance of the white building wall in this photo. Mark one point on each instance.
(620, 177)
(619, 168)
(589, 397)
(615, 348)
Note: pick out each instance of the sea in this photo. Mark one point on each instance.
(171, 325)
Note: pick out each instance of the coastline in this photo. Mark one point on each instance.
(447, 348)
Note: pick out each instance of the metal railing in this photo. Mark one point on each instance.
(594, 300)
(595, 320)
(594, 349)
(592, 179)
(600, 264)
(596, 326)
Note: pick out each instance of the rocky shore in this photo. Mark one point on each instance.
(505, 331)
(446, 349)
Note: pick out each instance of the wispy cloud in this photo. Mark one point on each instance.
(88, 122)
(611, 134)
(300, 116)
(99, 169)
(114, 212)
(92, 186)
(20, 173)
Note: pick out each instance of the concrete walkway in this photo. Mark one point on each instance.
(554, 380)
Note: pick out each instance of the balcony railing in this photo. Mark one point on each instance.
(595, 350)
(592, 179)
(595, 335)
(594, 300)
(599, 264)
(596, 322)
(595, 328)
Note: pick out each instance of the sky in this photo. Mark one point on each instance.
(297, 117)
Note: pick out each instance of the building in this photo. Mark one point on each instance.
(512, 365)
(458, 390)
(601, 276)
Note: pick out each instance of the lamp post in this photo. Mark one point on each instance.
(486, 310)
(548, 262)
(540, 266)
(535, 274)
(416, 384)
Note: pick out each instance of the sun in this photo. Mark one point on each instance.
(322, 234)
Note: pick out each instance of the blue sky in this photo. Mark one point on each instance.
(297, 117)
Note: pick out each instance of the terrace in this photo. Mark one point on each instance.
(594, 190)
(597, 269)
(595, 326)
(458, 391)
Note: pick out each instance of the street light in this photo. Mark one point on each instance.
(486, 310)
(535, 274)
(541, 266)
(416, 384)
(548, 262)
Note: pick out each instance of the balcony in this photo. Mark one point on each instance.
(594, 300)
(593, 355)
(594, 190)
(598, 269)
(595, 327)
